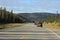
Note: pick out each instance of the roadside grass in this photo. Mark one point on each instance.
(11, 25)
(52, 25)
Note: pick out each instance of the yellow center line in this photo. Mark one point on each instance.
(22, 37)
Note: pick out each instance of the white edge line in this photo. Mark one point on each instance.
(54, 33)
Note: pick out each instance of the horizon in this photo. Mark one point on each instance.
(31, 6)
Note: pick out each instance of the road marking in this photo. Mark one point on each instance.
(54, 33)
(22, 37)
(25, 33)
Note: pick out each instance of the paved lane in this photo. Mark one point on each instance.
(29, 31)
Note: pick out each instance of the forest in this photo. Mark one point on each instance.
(10, 17)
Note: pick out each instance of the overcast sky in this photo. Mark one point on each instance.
(21, 6)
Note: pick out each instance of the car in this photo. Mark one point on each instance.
(39, 25)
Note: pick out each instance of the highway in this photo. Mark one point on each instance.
(28, 31)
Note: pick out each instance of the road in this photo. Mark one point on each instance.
(29, 31)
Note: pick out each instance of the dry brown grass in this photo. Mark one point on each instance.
(11, 25)
(52, 25)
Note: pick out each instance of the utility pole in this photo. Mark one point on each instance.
(56, 16)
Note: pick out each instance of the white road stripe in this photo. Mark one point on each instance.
(24, 33)
(54, 33)
(28, 38)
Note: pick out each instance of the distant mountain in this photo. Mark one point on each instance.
(35, 16)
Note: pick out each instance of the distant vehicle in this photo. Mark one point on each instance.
(39, 25)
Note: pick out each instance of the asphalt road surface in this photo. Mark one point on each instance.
(28, 31)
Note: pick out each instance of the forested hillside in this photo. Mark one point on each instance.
(35, 16)
(42, 16)
(53, 18)
(10, 17)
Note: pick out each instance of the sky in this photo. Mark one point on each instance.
(27, 6)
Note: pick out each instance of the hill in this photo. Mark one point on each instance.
(42, 16)
(35, 16)
(53, 18)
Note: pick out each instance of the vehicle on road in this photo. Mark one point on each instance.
(39, 25)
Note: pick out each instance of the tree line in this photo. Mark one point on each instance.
(52, 18)
(10, 17)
